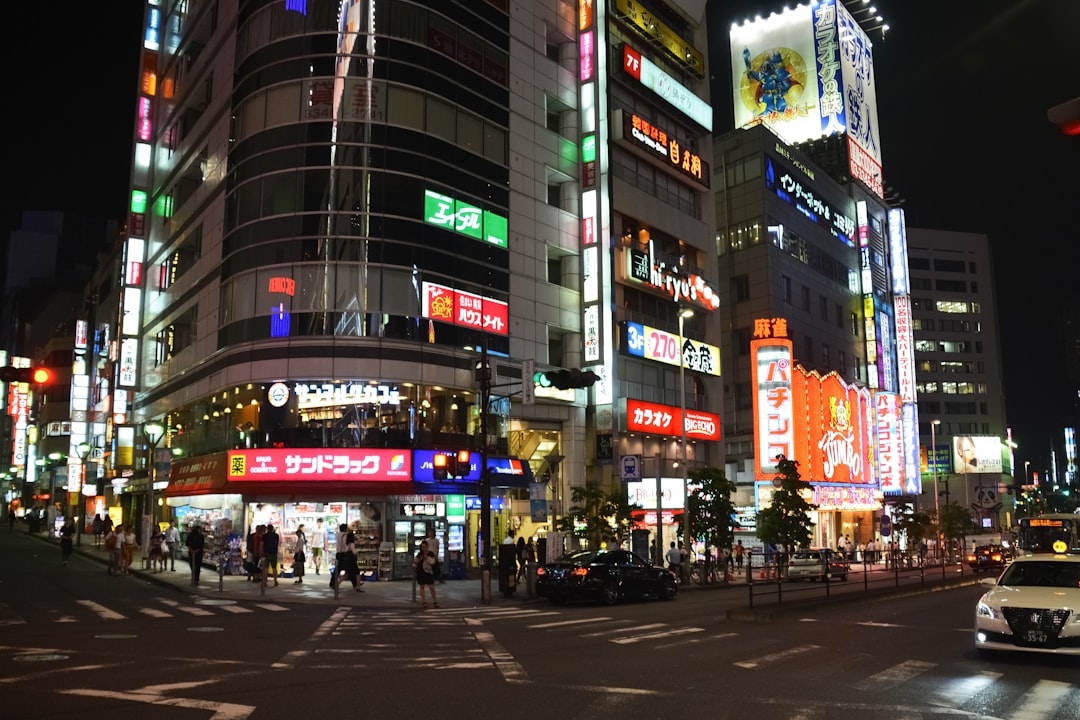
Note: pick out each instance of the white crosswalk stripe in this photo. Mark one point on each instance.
(893, 676)
(1041, 701)
(957, 692)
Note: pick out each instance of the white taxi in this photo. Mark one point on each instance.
(1033, 607)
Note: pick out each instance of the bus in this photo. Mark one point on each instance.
(1052, 533)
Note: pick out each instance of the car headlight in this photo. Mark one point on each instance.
(987, 611)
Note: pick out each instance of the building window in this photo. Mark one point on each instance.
(806, 298)
(823, 308)
(785, 288)
(740, 288)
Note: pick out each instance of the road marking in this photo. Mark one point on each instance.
(235, 609)
(1042, 700)
(657, 635)
(222, 711)
(310, 644)
(197, 611)
(685, 641)
(154, 612)
(503, 660)
(100, 610)
(566, 622)
(896, 675)
(619, 630)
(271, 607)
(783, 654)
(958, 692)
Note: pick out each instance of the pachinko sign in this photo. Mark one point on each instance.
(890, 455)
(462, 308)
(342, 464)
(659, 419)
(821, 422)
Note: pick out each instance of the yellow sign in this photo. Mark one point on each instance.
(687, 55)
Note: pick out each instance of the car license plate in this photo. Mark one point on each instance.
(1035, 637)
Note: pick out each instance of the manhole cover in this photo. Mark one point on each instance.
(214, 601)
(205, 629)
(44, 657)
(116, 636)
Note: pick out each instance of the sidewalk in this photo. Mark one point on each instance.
(392, 594)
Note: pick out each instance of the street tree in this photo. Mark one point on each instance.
(710, 507)
(596, 513)
(785, 521)
(954, 524)
(916, 526)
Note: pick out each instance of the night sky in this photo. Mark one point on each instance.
(963, 90)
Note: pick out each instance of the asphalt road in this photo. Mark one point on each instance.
(78, 643)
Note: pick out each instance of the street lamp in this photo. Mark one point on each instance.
(683, 314)
(937, 499)
(50, 516)
(83, 449)
(154, 432)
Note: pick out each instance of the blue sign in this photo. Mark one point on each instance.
(473, 503)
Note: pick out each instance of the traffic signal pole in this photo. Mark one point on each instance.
(486, 543)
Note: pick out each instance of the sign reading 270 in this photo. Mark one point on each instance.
(652, 344)
(659, 419)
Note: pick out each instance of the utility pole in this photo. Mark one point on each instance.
(483, 374)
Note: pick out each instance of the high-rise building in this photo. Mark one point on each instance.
(959, 371)
(817, 366)
(352, 221)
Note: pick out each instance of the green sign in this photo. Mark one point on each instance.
(456, 215)
(455, 508)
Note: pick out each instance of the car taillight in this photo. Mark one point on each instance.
(580, 571)
(995, 557)
(971, 558)
(541, 571)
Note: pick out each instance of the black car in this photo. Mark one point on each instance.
(606, 576)
(989, 557)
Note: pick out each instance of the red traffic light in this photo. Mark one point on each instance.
(41, 376)
(440, 465)
(37, 375)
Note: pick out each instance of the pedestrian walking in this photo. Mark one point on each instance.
(98, 528)
(433, 546)
(172, 544)
(520, 552)
(128, 549)
(66, 533)
(345, 559)
(157, 552)
(425, 577)
(318, 544)
(271, 545)
(112, 547)
(739, 552)
(196, 542)
(299, 555)
(674, 560)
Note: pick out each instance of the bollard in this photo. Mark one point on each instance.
(221, 576)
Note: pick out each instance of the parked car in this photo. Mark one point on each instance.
(989, 557)
(607, 576)
(813, 563)
(1034, 606)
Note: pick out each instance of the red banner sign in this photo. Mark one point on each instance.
(341, 464)
(658, 419)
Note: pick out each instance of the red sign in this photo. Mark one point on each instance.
(632, 62)
(462, 308)
(341, 464)
(658, 419)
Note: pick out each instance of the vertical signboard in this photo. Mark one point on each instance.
(774, 422)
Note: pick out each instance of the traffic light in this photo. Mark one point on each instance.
(440, 466)
(460, 464)
(32, 375)
(566, 379)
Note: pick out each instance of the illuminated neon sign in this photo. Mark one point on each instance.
(320, 464)
(452, 214)
(652, 344)
(465, 309)
(642, 266)
(659, 419)
(663, 145)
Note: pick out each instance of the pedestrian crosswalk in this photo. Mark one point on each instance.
(159, 608)
(905, 687)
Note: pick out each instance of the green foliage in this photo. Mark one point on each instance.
(955, 522)
(710, 507)
(916, 526)
(596, 513)
(786, 521)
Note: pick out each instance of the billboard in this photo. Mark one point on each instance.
(823, 423)
(653, 344)
(647, 417)
(808, 72)
(890, 455)
(465, 309)
(976, 454)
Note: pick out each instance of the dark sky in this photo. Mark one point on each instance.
(963, 90)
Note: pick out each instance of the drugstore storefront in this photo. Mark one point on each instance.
(389, 498)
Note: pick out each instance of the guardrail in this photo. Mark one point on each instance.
(770, 583)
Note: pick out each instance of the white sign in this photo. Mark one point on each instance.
(630, 466)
